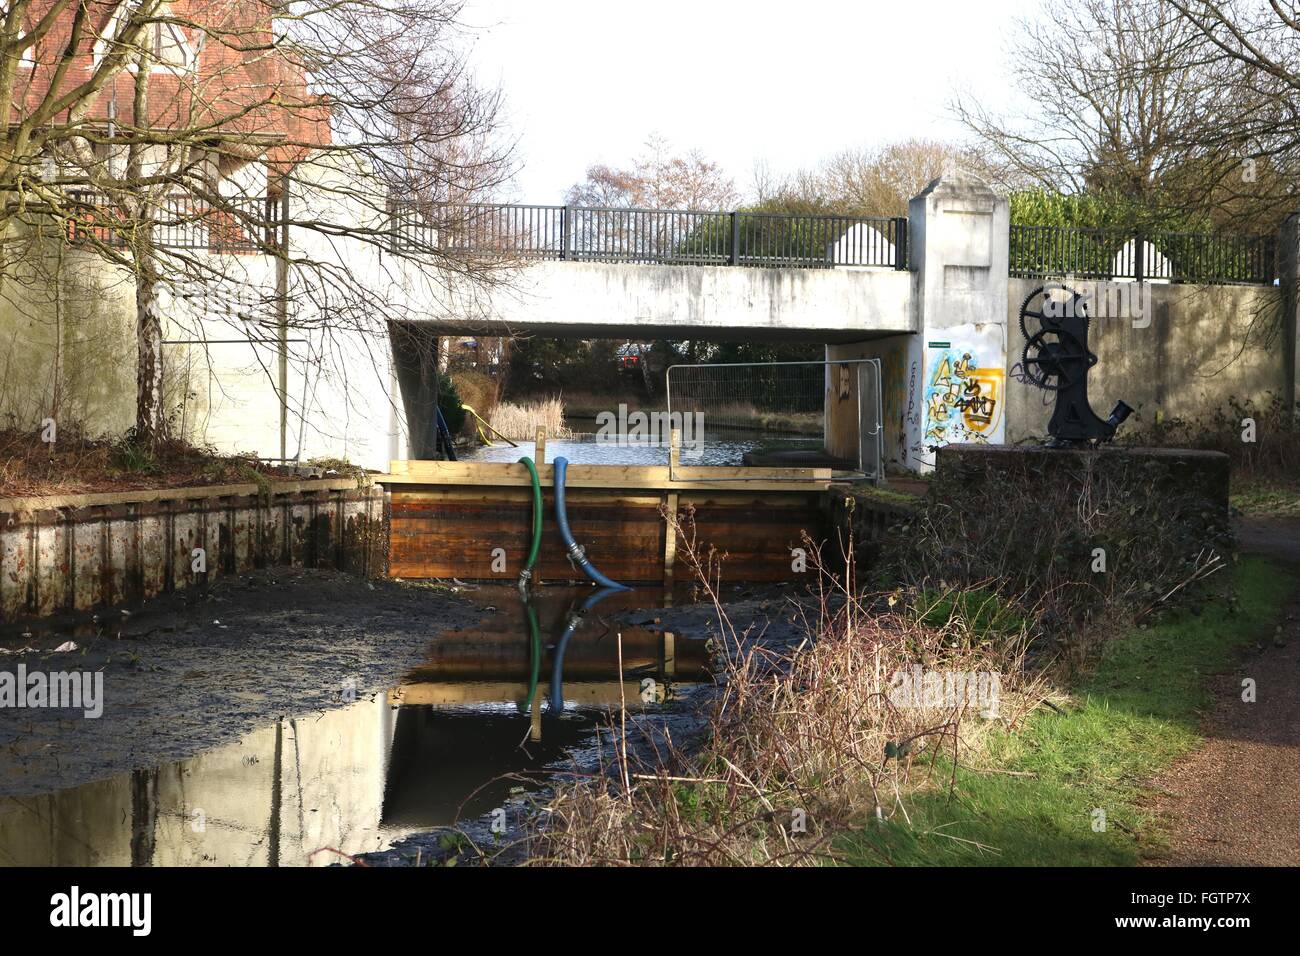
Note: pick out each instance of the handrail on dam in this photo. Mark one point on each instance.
(652, 236)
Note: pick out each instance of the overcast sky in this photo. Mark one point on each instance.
(792, 81)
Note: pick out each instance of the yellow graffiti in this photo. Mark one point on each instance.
(975, 393)
(980, 398)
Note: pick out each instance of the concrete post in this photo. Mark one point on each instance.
(1288, 265)
(959, 232)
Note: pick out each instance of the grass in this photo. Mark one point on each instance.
(1034, 803)
(983, 612)
(1268, 500)
(893, 496)
(582, 404)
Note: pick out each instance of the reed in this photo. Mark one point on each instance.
(804, 747)
(520, 421)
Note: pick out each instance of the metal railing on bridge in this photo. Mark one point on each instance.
(653, 236)
(180, 221)
(1058, 251)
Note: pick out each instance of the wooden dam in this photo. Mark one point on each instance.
(473, 520)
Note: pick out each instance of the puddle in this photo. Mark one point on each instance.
(454, 739)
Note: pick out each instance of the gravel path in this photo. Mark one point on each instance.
(1236, 800)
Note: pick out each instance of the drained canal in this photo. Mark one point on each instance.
(470, 727)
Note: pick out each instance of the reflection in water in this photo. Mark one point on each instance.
(449, 765)
(571, 624)
(269, 799)
(353, 780)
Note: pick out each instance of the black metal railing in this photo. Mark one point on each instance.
(1059, 251)
(657, 236)
(183, 222)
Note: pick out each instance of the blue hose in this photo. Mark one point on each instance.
(576, 552)
(575, 618)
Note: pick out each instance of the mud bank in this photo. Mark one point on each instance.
(192, 670)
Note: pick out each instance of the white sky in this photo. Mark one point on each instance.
(789, 81)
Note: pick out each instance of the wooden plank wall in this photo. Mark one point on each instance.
(452, 531)
(756, 532)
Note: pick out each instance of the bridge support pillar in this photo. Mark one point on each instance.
(945, 382)
(959, 234)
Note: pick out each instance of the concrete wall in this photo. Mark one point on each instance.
(900, 375)
(79, 552)
(611, 300)
(1289, 274)
(1200, 346)
(68, 345)
(67, 337)
(342, 397)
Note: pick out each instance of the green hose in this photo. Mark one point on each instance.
(534, 634)
(537, 522)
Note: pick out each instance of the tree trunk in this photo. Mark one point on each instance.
(149, 371)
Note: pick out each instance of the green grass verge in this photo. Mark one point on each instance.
(891, 496)
(1133, 717)
(1268, 501)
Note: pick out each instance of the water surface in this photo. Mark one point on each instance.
(453, 739)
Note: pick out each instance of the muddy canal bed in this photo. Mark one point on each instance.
(295, 717)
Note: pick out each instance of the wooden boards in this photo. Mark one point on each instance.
(472, 520)
(482, 533)
(658, 477)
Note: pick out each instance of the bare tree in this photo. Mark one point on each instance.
(660, 178)
(167, 136)
(1125, 100)
(1261, 40)
(863, 180)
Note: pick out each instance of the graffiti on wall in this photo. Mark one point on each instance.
(893, 377)
(912, 418)
(963, 398)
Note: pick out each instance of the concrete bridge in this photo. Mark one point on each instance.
(719, 303)
(863, 287)
(600, 273)
(934, 297)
